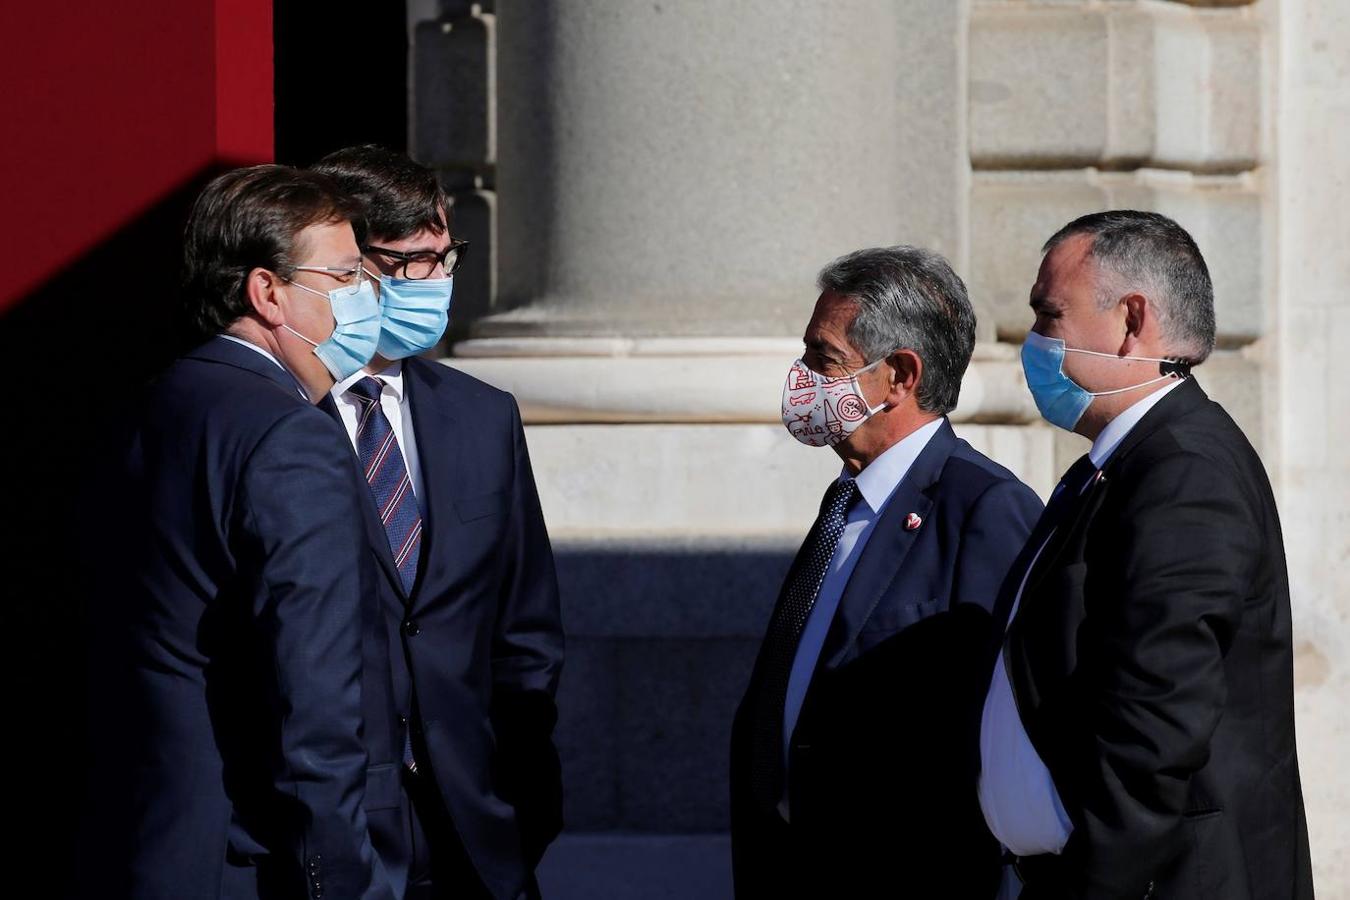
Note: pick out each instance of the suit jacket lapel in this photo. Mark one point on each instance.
(1070, 523)
(890, 542)
(1182, 400)
(438, 451)
(1187, 397)
(375, 532)
(223, 350)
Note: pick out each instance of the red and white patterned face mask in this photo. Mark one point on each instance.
(820, 411)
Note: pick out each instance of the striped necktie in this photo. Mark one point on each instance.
(387, 473)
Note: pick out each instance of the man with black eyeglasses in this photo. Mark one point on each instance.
(469, 591)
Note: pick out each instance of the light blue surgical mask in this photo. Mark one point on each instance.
(413, 314)
(352, 343)
(1060, 399)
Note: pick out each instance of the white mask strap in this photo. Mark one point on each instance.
(300, 336)
(323, 294)
(1121, 358)
(1134, 388)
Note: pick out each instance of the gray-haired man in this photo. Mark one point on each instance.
(1138, 736)
(865, 697)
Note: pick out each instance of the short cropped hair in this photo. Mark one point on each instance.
(399, 197)
(251, 218)
(909, 299)
(1149, 253)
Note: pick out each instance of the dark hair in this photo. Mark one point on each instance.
(909, 299)
(399, 197)
(246, 219)
(1150, 253)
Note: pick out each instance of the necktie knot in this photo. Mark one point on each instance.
(1077, 477)
(839, 497)
(367, 389)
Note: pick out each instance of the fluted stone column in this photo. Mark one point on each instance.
(669, 179)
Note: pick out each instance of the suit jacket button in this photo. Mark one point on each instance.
(411, 628)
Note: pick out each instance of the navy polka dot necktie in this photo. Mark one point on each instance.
(774, 666)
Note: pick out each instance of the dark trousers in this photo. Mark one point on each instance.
(440, 867)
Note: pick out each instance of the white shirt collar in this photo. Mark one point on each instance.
(255, 348)
(391, 375)
(883, 475)
(1116, 430)
(265, 352)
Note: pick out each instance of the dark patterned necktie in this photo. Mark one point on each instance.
(387, 473)
(1063, 501)
(774, 666)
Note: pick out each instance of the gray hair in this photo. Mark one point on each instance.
(1149, 253)
(909, 298)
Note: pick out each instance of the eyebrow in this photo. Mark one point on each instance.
(1043, 303)
(351, 262)
(377, 248)
(825, 348)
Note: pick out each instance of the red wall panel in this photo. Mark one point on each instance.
(107, 107)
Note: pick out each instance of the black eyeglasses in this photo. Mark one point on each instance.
(419, 265)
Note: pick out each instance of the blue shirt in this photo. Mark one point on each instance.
(876, 483)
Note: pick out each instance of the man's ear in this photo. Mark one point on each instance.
(1138, 316)
(905, 370)
(264, 292)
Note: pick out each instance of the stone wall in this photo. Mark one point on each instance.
(1311, 333)
(650, 188)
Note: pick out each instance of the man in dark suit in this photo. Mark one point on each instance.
(469, 590)
(853, 773)
(1138, 736)
(231, 596)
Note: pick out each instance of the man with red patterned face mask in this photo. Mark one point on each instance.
(865, 698)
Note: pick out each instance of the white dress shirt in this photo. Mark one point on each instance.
(1017, 794)
(394, 405)
(876, 484)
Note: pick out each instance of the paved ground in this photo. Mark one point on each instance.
(637, 867)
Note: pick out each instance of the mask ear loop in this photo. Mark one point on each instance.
(1136, 387)
(871, 410)
(325, 296)
(1176, 363)
(301, 336)
(1167, 368)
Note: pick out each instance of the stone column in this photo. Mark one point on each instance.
(1313, 395)
(669, 178)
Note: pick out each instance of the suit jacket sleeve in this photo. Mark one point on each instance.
(1166, 578)
(527, 659)
(304, 531)
(995, 531)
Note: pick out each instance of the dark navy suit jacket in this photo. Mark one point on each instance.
(230, 601)
(884, 757)
(478, 643)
